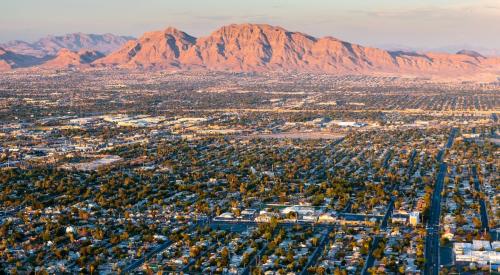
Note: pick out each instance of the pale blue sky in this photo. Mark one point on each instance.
(419, 23)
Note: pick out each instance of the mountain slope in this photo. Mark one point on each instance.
(69, 59)
(160, 48)
(257, 47)
(50, 45)
(245, 48)
(10, 60)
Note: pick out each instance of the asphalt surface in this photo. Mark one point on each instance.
(137, 263)
(238, 224)
(388, 213)
(390, 207)
(13, 212)
(484, 214)
(314, 257)
(370, 260)
(432, 238)
(243, 225)
(252, 263)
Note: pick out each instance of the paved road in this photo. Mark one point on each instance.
(386, 160)
(252, 263)
(13, 212)
(451, 138)
(236, 224)
(388, 213)
(484, 214)
(245, 224)
(370, 260)
(432, 237)
(317, 252)
(348, 207)
(493, 133)
(337, 142)
(390, 207)
(241, 225)
(192, 261)
(137, 263)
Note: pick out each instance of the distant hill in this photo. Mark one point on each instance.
(10, 60)
(258, 47)
(484, 51)
(69, 59)
(51, 45)
(471, 53)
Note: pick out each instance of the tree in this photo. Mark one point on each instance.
(314, 241)
(224, 257)
(245, 259)
(378, 253)
(320, 270)
(477, 222)
(194, 252)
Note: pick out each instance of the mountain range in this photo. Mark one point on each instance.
(50, 45)
(245, 48)
(485, 51)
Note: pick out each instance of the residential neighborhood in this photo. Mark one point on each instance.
(327, 177)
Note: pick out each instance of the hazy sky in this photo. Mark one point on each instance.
(419, 23)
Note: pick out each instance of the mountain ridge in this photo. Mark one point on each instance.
(66, 58)
(262, 47)
(10, 60)
(51, 44)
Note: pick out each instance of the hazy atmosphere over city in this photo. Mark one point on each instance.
(249, 137)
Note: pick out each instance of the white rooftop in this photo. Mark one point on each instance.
(481, 245)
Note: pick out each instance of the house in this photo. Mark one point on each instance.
(224, 217)
(265, 217)
(414, 218)
(326, 218)
(248, 214)
(399, 218)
